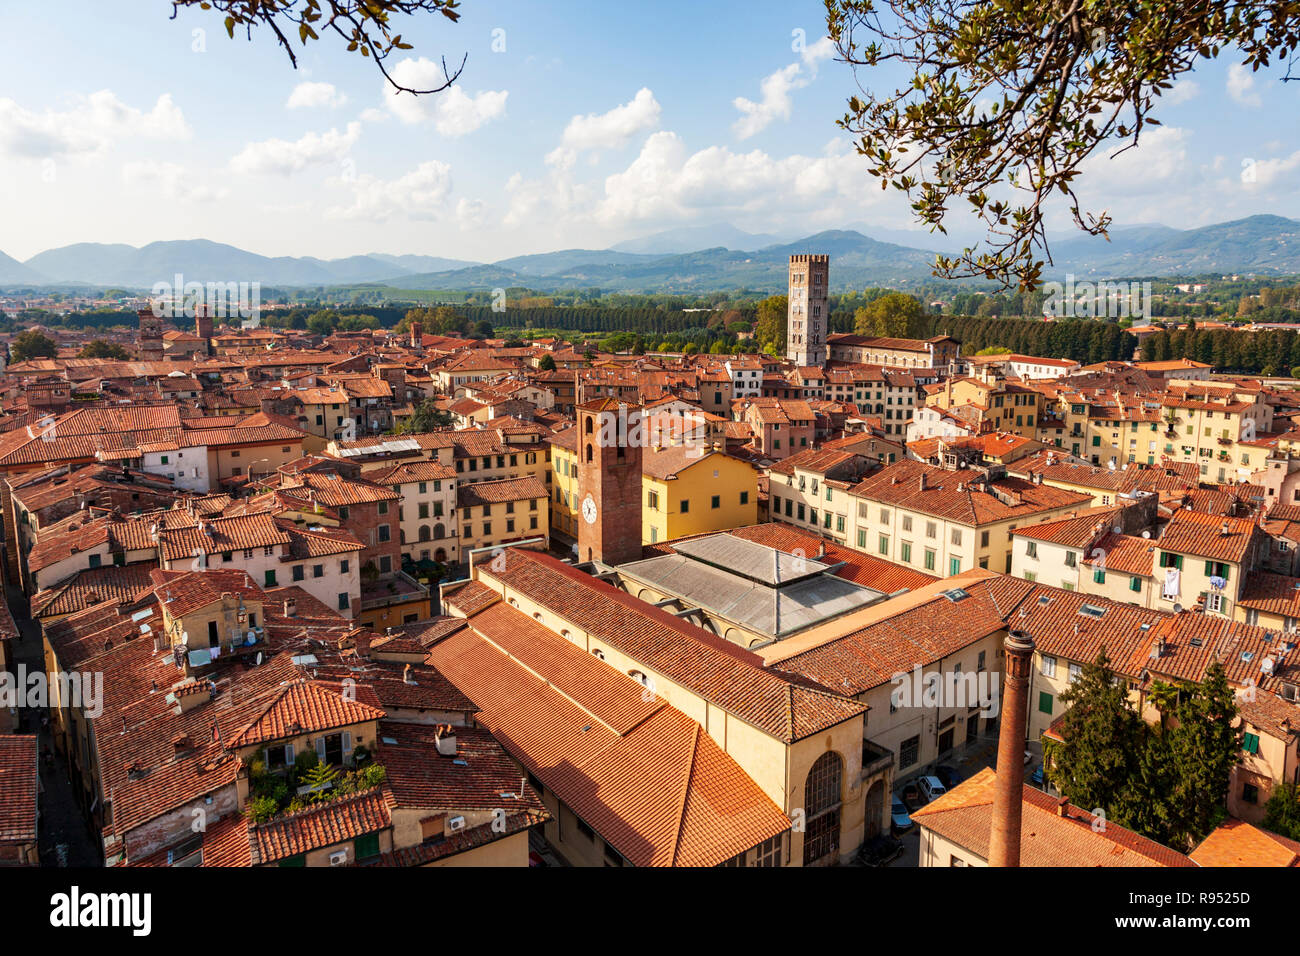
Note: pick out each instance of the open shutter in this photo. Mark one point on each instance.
(320, 749)
(288, 755)
(347, 746)
(1209, 569)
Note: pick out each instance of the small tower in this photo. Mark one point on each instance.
(609, 481)
(805, 334)
(151, 336)
(203, 326)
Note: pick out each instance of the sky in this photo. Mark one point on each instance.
(573, 125)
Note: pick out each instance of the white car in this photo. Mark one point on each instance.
(931, 787)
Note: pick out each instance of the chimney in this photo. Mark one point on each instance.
(921, 482)
(1004, 841)
(290, 608)
(1062, 807)
(445, 741)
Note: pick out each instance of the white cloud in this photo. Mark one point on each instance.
(89, 127)
(315, 96)
(1181, 92)
(1270, 172)
(172, 180)
(453, 112)
(666, 182)
(776, 89)
(1241, 86)
(606, 130)
(419, 194)
(284, 157)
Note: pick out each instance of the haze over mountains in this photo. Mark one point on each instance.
(670, 261)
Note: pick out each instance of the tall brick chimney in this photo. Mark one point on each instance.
(1004, 841)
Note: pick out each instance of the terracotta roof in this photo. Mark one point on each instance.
(964, 814)
(661, 793)
(322, 825)
(1203, 536)
(1237, 843)
(507, 489)
(18, 788)
(116, 585)
(306, 706)
(719, 671)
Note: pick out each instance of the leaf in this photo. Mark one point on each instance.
(230, 27)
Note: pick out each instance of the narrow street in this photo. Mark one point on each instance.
(65, 837)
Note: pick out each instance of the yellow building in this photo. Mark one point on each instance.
(689, 491)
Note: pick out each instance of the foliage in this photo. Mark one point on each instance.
(32, 344)
(1101, 733)
(320, 779)
(547, 363)
(261, 809)
(98, 348)
(427, 417)
(1282, 811)
(1166, 782)
(890, 315)
(366, 26)
(1000, 105)
(770, 324)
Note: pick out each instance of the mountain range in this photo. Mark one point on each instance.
(666, 261)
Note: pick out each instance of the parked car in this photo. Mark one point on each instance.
(900, 822)
(880, 851)
(947, 775)
(912, 796)
(1038, 778)
(931, 787)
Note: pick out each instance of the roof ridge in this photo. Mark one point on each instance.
(687, 778)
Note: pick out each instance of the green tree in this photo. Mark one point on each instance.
(32, 344)
(995, 107)
(320, 779)
(1203, 747)
(1282, 811)
(547, 363)
(770, 326)
(427, 417)
(1101, 737)
(98, 348)
(367, 27)
(892, 315)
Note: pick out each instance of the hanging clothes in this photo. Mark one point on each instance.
(1218, 583)
(1170, 590)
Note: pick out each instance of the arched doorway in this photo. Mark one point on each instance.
(875, 809)
(821, 794)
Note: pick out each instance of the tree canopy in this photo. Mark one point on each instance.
(1001, 104)
(30, 345)
(365, 26)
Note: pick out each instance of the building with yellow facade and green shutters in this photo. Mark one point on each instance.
(686, 490)
(689, 490)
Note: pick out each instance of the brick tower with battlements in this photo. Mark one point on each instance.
(805, 334)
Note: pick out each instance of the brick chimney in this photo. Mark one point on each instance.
(1004, 841)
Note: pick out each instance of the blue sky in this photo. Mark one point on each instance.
(598, 122)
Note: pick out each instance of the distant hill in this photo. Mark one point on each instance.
(13, 271)
(1264, 244)
(1261, 244)
(689, 238)
(201, 260)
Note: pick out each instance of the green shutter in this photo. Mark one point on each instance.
(367, 846)
(1135, 584)
(1250, 743)
(1209, 569)
(1099, 576)
(299, 860)
(1044, 702)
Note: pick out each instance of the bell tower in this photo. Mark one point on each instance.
(809, 311)
(609, 481)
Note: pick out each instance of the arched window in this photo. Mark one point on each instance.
(821, 795)
(537, 615)
(588, 452)
(645, 680)
(597, 653)
(424, 532)
(439, 532)
(589, 424)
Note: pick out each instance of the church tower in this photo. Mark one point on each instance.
(609, 481)
(805, 334)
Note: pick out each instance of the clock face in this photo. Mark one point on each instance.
(589, 509)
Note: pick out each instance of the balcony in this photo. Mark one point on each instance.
(875, 759)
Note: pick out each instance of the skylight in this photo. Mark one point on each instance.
(1091, 610)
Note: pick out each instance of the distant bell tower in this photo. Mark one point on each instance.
(805, 335)
(151, 336)
(609, 481)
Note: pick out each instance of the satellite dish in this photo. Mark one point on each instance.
(1178, 609)
(259, 659)
(1146, 534)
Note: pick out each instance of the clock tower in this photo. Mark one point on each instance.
(609, 449)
